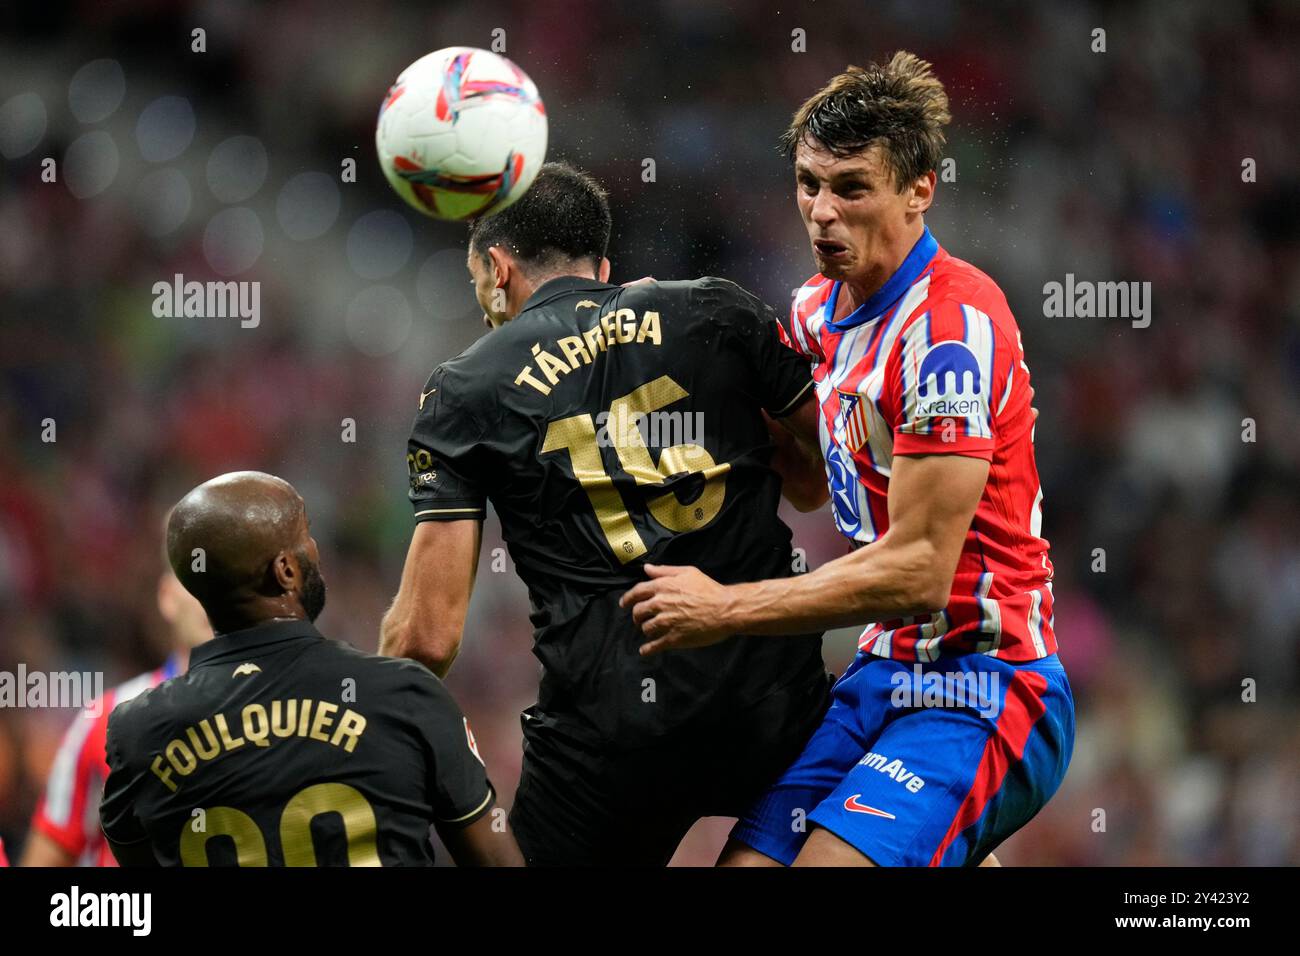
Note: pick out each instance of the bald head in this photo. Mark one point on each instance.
(240, 544)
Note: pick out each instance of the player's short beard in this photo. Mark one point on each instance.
(312, 595)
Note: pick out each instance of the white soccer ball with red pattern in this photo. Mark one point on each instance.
(462, 133)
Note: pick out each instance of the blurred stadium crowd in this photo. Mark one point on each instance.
(1176, 541)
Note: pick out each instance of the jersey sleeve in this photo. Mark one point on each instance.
(67, 807)
(117, 811)
(781, 377)
(444, 455)
(807, 300)
(942, 379)
(458, 778)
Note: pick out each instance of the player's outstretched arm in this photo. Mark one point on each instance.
(479, 845)
(908, 571)
(798, 459)
(427, 619)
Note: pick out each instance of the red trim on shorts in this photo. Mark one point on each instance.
(1021, 709)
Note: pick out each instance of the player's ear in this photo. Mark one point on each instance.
(165, 600)
(167, 597)
(602, 271)
(284, 566)
(922, 193)
(501, 264)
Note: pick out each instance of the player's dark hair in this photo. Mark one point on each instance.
(902, 106)
(564, 215)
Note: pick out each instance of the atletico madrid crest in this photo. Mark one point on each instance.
(853, 419)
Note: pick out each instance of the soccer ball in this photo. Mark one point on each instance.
(462, 133)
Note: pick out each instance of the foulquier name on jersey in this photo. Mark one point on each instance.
(619, 327)
(257, 725)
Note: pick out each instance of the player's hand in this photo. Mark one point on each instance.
(641, 281)
(679, 607)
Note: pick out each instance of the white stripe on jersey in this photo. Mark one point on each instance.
(874, 383)
(90, 821)
(852, 349)
(1036, 621)
(819, 316)
(882, 645)
(61, 787)
(796, 326)
(929, 635)
(990, 616)
(132, 688)
(1006, 392)
(914, 343)
(982, 340)
(1051, 618)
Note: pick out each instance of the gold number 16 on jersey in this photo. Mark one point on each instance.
(577, 435)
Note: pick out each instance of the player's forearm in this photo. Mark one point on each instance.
(401, 636)
(881, 581)
(803, 474)
(480, 845)
(797, 457)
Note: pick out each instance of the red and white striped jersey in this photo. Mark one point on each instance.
(68, 812)
(933, 364)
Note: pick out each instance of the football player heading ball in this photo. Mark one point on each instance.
(612, 426)
(927, 429)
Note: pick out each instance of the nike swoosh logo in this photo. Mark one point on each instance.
(852, 804)
(587, 303)
(424, 395)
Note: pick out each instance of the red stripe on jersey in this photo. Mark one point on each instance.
(68, 811)
(807, 303)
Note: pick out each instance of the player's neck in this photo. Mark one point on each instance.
(520, 292)
(871, 279)
(242, 615)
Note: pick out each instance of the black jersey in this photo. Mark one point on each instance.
(612, 426)
(282, 748)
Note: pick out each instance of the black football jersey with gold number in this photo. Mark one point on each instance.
(612, 426)
(282, 748)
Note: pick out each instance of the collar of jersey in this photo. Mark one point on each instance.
(893, 289)
(552, 288)
(236, 643)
